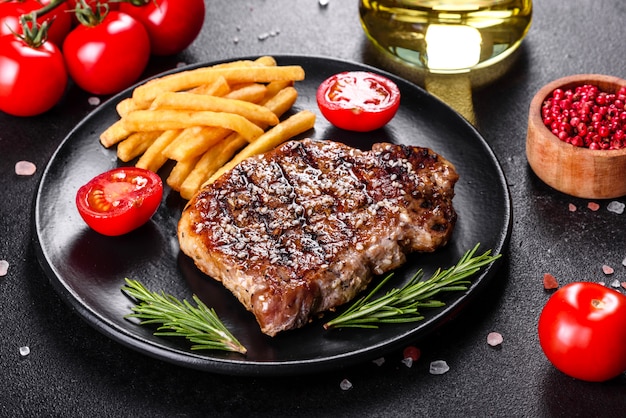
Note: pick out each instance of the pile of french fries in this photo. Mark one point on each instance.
(208, 120)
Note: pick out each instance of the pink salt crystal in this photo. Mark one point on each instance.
(4, 267)
(438, 367)
(607, 269)
(624, 285)
(549, 282)
(572, 207)
(345, 384)
(25, 168)
(494, 339)
(593, 206)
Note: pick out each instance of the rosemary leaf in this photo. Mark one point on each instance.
(400, 305)
(198, 324)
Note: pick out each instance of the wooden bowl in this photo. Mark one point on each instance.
(577, 171)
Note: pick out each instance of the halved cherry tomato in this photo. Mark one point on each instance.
(120, 200)
(582, 331)
(358, 100)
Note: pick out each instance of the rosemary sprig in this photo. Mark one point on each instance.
(200, 325)
(403, 304)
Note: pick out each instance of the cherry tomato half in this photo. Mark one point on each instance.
(171, 24)
(120, 200)
(358, 100)
(582, 331)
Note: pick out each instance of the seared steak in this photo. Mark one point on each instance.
(303, 229)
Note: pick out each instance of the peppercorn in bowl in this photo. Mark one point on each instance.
(576, 139)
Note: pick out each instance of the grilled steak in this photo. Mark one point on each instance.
(304, 228)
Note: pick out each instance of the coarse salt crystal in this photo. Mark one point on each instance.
(4, 267)
(408, 362)
(323, 3)
(94, 101)
(572, 207)
(607, 270)
(623, 285)
(549, 282)
(616, 207)
(438, 367)
(345, 384)
(593, 206)
(615, 283)
(24, 351)
(25, 168)
(379, 361)
(494, 339)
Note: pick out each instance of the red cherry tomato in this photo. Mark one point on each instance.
(60, 19)
(120, 200)
(108, 57)
(172, 24)
(358, 100)
(582, 331)
(32, 80)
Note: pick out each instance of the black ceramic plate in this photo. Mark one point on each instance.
(88, 269)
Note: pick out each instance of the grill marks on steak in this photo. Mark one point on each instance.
(302, 229)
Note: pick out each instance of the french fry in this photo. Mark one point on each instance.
(186, 80)
(180, 172)
(273, 88)
(136, 144)
(163, 120)
(250, 92)
(153, 159)
(114, 134)
(126, 106)
(199, 102)
(282, 101)
(209, 163)
(294, 125)
(194, 141)
(219, 87)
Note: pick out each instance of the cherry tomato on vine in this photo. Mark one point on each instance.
(59, 18)
(109, 56)
(582, 331)
(120, 200)
(172, 24)
(358, 100)
(32, 78)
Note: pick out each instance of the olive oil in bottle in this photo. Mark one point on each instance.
(447, 36)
